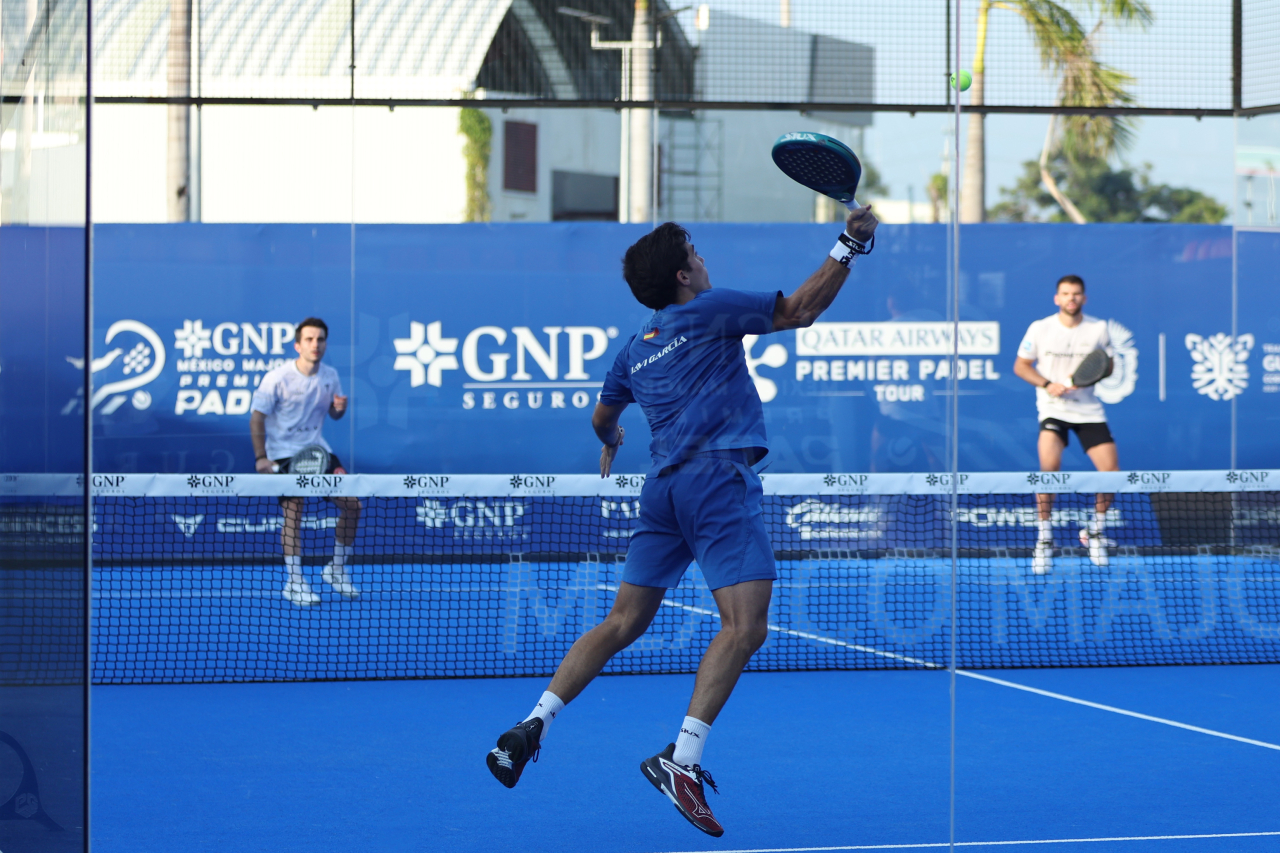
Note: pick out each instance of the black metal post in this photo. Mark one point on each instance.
(1237, 48)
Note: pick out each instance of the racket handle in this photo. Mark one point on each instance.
(275, 468)
(852, 204)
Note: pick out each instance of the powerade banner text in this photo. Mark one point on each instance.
(481, 348)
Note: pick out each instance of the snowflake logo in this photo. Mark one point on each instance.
(302, 481)
(193, 481)
(1220, 372)
(1232, 476)
(1133, 478)
(933, 479)
(137, 359)
(193, 338)
(1033, 478)
(829, 480)
(426, 354)
(516, 481)
(410, 481)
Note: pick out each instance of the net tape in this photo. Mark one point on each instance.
(487, 575)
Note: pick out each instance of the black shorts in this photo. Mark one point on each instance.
(1091, 435)
(283, 468)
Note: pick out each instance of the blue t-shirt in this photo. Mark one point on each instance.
(687, 370)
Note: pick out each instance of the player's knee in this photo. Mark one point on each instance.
(751, 636)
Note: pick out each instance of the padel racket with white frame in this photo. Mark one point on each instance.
(821, 163)
(1095, 367)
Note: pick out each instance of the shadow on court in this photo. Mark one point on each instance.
(828, 759)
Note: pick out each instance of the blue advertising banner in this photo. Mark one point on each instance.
(480, 348)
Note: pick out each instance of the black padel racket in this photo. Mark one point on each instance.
(312, 459)
(821, 163)
(1096, 366)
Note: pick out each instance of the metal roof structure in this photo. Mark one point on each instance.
(403, 49)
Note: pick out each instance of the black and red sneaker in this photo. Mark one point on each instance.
(516, 747)
(683, 786)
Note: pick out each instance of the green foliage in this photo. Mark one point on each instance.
(1102, 194)
(871, 184)
(476, 128)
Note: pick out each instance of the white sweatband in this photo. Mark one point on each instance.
(847, 248)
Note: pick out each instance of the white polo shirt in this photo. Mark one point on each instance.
(1057, 351)
(295, 406)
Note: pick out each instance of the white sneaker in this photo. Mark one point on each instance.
(1097, 545)
(299, 592)
(1042, 559)
(337, 577)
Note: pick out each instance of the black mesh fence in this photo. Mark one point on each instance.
(1169, 55)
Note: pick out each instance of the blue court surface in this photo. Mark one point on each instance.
(813, 760)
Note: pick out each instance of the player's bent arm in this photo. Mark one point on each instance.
(258, 432)
(800, 309)
(1025, 369)
(604, 420)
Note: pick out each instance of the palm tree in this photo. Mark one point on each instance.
(1064, 48)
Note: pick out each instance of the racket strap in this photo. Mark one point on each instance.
(847, 248)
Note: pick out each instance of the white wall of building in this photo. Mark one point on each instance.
(287, 164)
(572, 140)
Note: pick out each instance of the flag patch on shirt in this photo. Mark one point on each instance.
(648, 336)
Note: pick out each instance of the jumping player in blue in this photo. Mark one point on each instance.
(701, 499)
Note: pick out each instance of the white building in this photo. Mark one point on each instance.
(298, 163)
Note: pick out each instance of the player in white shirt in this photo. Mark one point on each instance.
(288, 411)
(1047, 357)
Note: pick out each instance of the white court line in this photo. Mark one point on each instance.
(1115, 710)
(967, 674)
(996, 843)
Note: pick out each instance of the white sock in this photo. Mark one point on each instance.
(546, 710)
(692, 739)
(1099, 522)
(340, 553)
(1046, 530)
(294, 566)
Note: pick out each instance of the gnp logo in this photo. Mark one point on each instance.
(136, 360)
(484, 354)
(1148, 478)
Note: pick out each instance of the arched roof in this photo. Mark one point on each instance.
(404, 49)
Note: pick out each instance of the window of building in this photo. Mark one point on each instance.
(520, 156)
(581, 196)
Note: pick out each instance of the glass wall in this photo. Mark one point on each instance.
(44, 144)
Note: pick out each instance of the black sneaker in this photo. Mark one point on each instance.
(515, 748)
(683, 786)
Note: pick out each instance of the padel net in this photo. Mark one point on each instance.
(496, 575)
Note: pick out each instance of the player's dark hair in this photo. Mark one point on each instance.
(310, 321)
(1069, 279)
(651, 264)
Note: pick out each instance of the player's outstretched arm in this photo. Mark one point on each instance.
(605, 422)
(802, 308)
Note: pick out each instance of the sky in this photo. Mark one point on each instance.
(1182, 59)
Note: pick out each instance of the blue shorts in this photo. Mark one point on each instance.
(709, 509)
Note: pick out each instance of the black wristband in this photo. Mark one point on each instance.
(1047, 383)
(262, 456)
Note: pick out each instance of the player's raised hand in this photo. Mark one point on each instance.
(861, 224)
(339, 404)
(608, 453)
